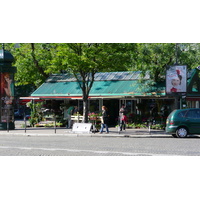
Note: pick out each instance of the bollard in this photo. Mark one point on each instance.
(149, 127)
(55, 123)
(24, 122)
(8, 120)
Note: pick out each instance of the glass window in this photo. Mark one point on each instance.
(195, 87)
(182, 114)
(198, 114)
(129, 105)
(94, 106)
(192, 114)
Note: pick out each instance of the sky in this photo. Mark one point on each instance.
(134, 21)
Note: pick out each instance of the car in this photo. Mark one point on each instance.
(183, 122)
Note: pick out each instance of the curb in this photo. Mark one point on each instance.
(129, 133)
(87, 135)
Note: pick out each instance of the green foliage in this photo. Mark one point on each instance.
(91, 57)
(158, 126)
(134, 125)
(35, 61)
(32, 61)
(154, 58)
(36, 112)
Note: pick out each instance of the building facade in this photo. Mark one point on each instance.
(113, 89)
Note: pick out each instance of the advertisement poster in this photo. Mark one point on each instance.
(176, 79)
(7, 96)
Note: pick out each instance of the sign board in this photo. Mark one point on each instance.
(176, 79)
(81, 127)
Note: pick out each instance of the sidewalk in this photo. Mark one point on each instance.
(42, 131)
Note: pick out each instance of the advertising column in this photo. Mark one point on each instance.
(6, 90)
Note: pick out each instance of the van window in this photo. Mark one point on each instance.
(198, 114)
(182, 114)
(193, 114)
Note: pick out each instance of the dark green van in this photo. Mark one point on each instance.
(183, 122)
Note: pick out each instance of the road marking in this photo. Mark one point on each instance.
(87, 151)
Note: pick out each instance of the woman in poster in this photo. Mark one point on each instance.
(176, 79)
(176, 82)
(8, 88)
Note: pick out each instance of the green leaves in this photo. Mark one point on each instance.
(155, 57)
(31, 61)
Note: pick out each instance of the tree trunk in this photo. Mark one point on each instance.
(85, 84)
(85, 109)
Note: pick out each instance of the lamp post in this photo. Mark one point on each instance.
(6, 90)
(176, 54)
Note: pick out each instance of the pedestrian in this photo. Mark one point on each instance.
(122, 117)
(75, 111)
(104, 123)
(123, 122)
(69, 114)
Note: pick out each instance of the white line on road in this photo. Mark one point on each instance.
(88, 151)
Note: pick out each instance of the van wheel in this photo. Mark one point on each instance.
(174, 135)
(181, 132)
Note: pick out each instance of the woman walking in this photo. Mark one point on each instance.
(104, 123)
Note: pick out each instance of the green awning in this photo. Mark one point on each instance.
(100, 89)
(111, 84)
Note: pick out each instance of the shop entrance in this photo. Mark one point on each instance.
(113, 110)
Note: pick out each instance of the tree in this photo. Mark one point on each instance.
(155, 57)
(189, 54)
(31, 60)
(83, 60)
(35, 62)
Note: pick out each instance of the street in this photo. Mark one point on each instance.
(97, 146)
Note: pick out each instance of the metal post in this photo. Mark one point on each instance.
(150, 123)
(78, 116)
(176, 102)
(54, 122)
(24, 122)
(7, 119)
(176, 54)
(181, 102)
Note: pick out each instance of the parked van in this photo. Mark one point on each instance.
(183, 122)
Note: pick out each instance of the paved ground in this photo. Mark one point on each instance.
(61, 142)
(68, 132)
